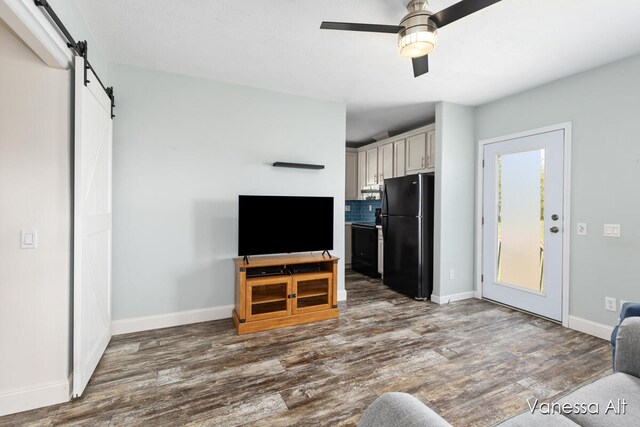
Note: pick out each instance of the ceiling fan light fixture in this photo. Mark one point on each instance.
(417, 42)
(418, 29)
(418, 37)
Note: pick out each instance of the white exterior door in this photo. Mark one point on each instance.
(523, 188)
(92, 227)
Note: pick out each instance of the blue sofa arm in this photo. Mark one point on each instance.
(629, 309)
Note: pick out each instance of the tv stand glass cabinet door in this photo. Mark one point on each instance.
(313, 292)
(268, 297)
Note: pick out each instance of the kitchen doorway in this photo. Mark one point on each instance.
(524, 221)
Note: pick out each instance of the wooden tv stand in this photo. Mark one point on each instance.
(284, 290)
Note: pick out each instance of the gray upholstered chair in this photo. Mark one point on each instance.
(400, 410)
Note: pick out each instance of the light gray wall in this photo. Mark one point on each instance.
(454, 195)
(72, 18)
(35, 193)
(184, 149)
(604, 107)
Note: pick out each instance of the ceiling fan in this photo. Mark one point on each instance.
(418, 30)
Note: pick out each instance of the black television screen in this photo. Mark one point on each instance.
(284, 224)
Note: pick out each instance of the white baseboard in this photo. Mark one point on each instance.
(35, 397)
(146, 323)
(592, 328)
(445, 299)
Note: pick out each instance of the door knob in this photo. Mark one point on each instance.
(555, 217)
(554, 229)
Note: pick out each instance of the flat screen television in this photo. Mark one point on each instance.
(284, 224)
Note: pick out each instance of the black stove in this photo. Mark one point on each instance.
(365, 224)
(364, 245)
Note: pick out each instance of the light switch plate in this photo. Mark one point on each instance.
(615, 230)
(347, 208)
(582, 229)
(612, 230)
(28, 239)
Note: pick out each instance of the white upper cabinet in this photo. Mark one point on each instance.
(362, 172)
(351, 176)
(385, 162)
(372, 166)
(398, 158)
(420, 152)
(431, 150)
(416, 154)
(405, 154)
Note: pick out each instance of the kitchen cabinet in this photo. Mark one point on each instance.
(380, 251)
(420, 152)
(405, 154)
(416, 153)
(372, 166)
(351, 176)
(431, 150)
(347, 245)
(398, 158)
(385, 162)
(362, 172)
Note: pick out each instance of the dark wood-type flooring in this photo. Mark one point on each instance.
(473, 362)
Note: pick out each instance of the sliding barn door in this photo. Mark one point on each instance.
(92, 227)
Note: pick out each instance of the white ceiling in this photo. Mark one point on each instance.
(277, 44)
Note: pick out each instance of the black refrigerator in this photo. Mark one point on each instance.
(407, 228)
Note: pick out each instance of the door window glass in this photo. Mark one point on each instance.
(520, 239)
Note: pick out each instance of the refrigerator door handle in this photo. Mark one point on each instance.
(385, 224)
(385, 201)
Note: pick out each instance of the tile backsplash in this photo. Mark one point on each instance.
(359, 210)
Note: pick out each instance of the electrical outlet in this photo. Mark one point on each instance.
(347, 208)
(452, 274)
(370, 208)
(610, 304)
(582, 229)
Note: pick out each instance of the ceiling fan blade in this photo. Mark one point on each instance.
(370, 28)
(459, 10)
(420, 65)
